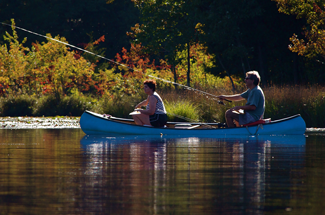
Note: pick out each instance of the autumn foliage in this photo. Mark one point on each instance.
(314, 32)
(46, 68)
(52, 68)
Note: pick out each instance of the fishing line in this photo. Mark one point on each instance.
(89, 52)
(67, 44)
(110, 60)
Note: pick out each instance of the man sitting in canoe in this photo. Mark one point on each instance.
(255, 106)
(155, 114)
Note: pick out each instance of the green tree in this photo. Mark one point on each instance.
(13, 63)
(167, 28)
(242, 35)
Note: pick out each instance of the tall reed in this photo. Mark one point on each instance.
(280, 102)
(285, 101)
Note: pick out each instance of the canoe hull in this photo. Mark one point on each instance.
(95, 124)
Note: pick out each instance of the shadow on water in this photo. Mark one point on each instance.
(159, 175)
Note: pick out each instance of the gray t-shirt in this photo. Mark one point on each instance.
(255, 97)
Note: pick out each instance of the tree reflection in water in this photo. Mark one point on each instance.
(47, 171)
(187, 175)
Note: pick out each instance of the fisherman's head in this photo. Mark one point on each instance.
(253, 75)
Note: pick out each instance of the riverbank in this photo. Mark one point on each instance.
(281, 102)
(67, 122)
(39, 122)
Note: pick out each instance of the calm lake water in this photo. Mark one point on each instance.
(63, 171)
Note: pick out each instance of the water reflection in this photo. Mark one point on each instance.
(47, 171)
(189, 175)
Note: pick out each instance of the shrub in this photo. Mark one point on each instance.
(46, 106)
(17, 106)
(73, 105)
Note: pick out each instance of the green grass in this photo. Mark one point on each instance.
(118, 106)
(182, 111)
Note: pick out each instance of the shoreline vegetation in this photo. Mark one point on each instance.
(50, 79)
(281, 102)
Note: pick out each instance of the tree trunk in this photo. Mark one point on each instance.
(175, 76)
(188, 65)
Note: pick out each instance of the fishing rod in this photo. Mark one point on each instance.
(120, 64)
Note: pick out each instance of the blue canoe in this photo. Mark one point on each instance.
(97, 124)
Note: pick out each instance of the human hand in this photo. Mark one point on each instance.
(221, 97)
(238, 109)
(139, 110)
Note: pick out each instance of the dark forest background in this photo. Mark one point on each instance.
(242, 35)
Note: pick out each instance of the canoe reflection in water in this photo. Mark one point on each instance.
(190, 175)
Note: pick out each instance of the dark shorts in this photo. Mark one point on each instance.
(158, 120)
(245, 119)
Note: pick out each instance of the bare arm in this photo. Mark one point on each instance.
(152, 106)
(236, 97)
(143, 103)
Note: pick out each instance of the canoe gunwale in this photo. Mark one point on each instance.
(125, 121)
